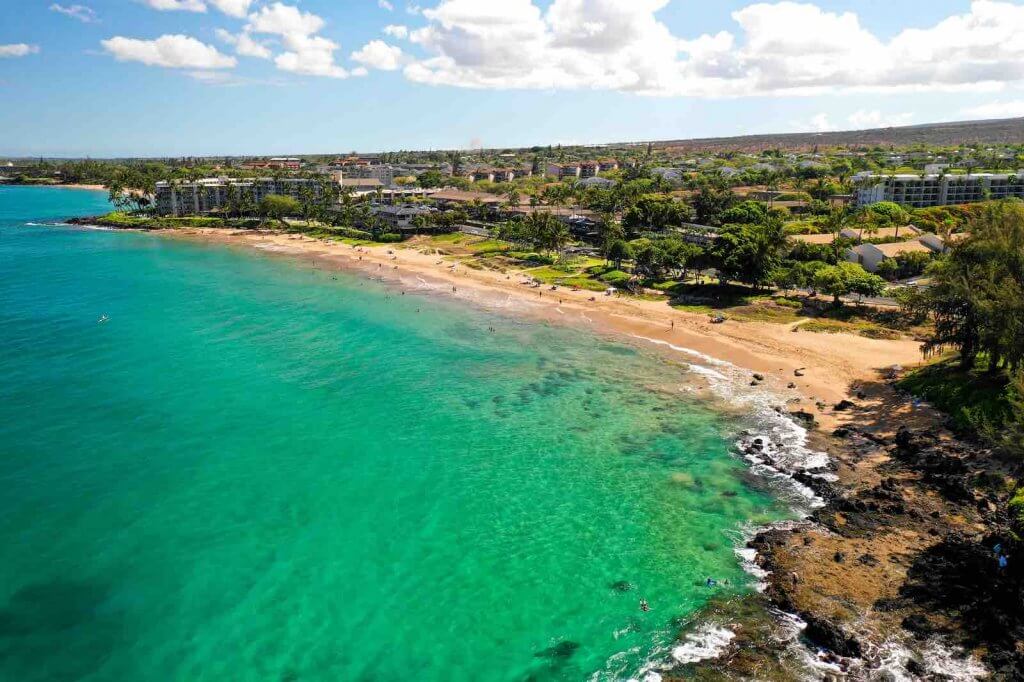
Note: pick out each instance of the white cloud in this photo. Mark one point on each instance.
(310, 56)
(80, 12)
(177, 5)
(305, 52)
(170, 51)
(997, 109)
(396, 31)
(820, 123)
(876, 119)
(791, 48)
(245, 44)
(359, 72)
(18, 50)
(284, 20)
(379, 55)
(233, 8)
(385, 5)
(861, 119)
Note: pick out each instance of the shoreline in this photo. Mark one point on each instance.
(73, 185)
(862, 543)
(820, 375)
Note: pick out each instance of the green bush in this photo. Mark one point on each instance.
(390, 238)
(617, 278)
(976, 402)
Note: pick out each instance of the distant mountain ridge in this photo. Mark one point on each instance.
(999, 131)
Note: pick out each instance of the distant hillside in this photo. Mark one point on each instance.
(1003, 131)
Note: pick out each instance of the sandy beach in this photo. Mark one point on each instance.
(94, 188)
(828, 364)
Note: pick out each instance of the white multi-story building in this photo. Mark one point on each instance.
(920, 191)
(212, 194)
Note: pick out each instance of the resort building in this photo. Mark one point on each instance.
(213, 194)
(560, 171)
(920, 191)
(276, 163)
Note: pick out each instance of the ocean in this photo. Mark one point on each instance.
(219, 464)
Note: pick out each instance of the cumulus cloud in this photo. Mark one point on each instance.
(864, 118)
(284, 20)
(306, 52)
(234, 8)
(861, 119)
(792, 48)
(18, 50)
(819, 123)
(396, 31)
(177, 5)
(997, 109)
(385, 5)
(84, 14)
(170, 51)
(379, 55)
(245, 44)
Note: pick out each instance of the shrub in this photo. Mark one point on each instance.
(390, 238)
(616, 278)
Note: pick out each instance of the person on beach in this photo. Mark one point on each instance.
(673, 324)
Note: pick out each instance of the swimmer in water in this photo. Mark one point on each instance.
(644, 606)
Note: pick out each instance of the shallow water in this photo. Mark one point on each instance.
(256, 470)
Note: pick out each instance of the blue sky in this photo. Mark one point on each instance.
(82, 77)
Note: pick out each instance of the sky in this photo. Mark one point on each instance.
(106, 78)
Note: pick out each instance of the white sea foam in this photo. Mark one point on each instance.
(782, 443)
(706, 641)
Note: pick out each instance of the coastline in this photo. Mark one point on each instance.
(820, 376)
(80, 186)
(834, 580)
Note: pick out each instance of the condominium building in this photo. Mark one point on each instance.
(561, 171)
(213, 194)
(278, 162)
(920, 191)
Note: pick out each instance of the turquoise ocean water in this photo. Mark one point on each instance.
(255, 471)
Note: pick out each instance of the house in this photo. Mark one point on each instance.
(668, 174)
(881, 233)
(601, 183)
(940, 244)
(870, 256)
(401, 217)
